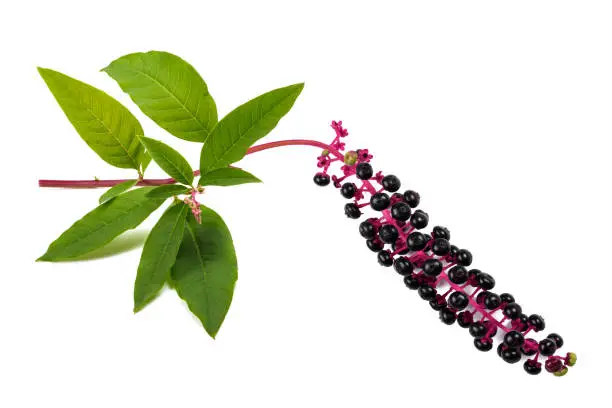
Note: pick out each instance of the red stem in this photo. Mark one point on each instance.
(159, 182)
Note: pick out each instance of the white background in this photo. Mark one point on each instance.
(498, 113)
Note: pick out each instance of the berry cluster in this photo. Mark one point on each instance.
(438, 270)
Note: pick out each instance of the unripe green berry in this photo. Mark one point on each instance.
(571, 359)
(350, 158)
(561, 372)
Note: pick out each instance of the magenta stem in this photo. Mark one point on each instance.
(159, 182)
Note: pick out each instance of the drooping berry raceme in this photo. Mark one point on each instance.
(439, 271)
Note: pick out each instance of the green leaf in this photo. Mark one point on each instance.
(169, 160)
(245, 125)
(229, 176)
(169, 91)
(101, 121)
(168, 190)
(159, 254)
(206, 269)
(102, 225)
(115, 190)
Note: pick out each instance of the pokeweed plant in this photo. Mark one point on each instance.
(191, 248)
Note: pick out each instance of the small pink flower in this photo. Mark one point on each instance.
(340, 131)
(323, 161)
(379, 177)
(364, 155)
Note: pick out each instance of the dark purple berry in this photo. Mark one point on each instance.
(412, 198)
(403, 266)
(391, 183)
(512, 310)
(401, 211)
(458, 275)
(458, 300)
(537, 322)
(364, 171)
(352, 211)
(532, 367)
(411, 282)
(367, 230)
(514, 339)
(385, 258)
(388, 234)
(486, 281)
(416, 241)
(400, 244)
(522, 321)
(506, 298)
(547, 347)
(440, 246)
(492, 300)
(419, 219)
(478, 330)
(375, 244)
(348, 190)
(438, 303)
(321, 179)
(483, 344)
(464, 257)
(427, 293)
(432, 267)
(511, 355)
(465, 319)
(440, 232)
(529, 347)
(447, 316)
(557, 339)
(453, 252)
(380, 201)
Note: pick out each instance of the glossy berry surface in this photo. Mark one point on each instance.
(364, 171)
(401, 211)
(348, 190)
(511, 355)
(432, 267)
(447, 316)
(384, 258)
(416, 241)
(380, 201)
(438, 303)
(440, 246)
(514, 339)
(391, 183)
(486, 281)
(411, 282)
(412, 198)
(458, 300)
(547, 347)
(419, 219)
(492, 301)
(537, 322)
(478, 330)
(375, 244)
(321, 179)
(388, 233)
(465, 319)
(483, 344)
(427, 293)
(532, 367)
(458, 275)
(556, 338)
(512, 310)
(440, 232)
(352, 211)
(367, 230)
(403, 266)
(506, 298)
(464, 257)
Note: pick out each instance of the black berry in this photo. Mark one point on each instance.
(416, 241)
(411, 282)
(384, 258)
(403, 266)
(388, 233)
(321, 179)
(440, 232)
(492, 300)
(537, 322)
(401, 211)
(514, 339)
(485, 281)
(352, 211)
(348, 190)
(557, 339)
(432, 267)
(511, 355)
(458, 275)
(464, 257)
(380, 201)
(465, 319)
(512, 310)
(391, 183)
(458, 300)
(478, 329)
(419, 219)
(447, 316)
(483, 344)
(532, 367)
(427, 293)
(364, 171)
(375, 244)
(506, 298)
(412, 198)
(367, 230)
(547, 347)
(438, 303)
(440, 246)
